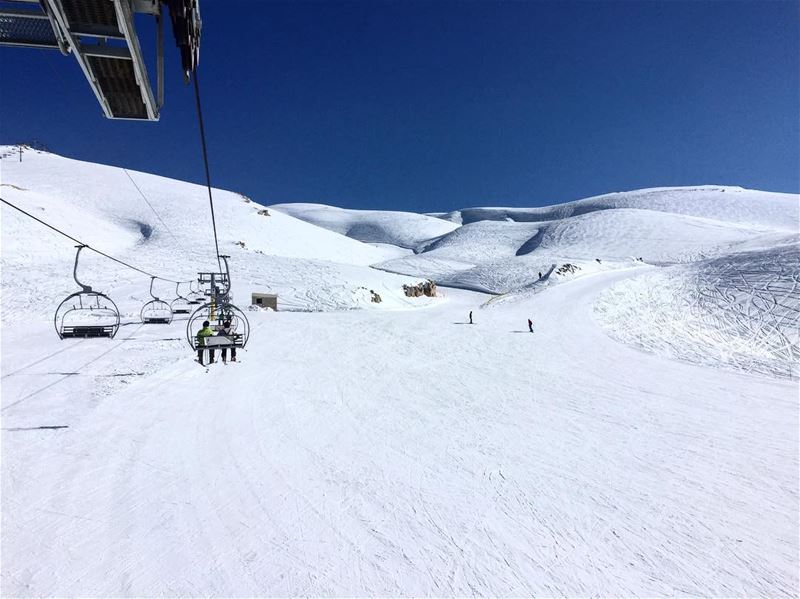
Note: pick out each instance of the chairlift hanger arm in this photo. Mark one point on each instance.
(152, 279)
(83, 287)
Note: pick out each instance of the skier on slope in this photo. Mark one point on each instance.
(470, 316)
(201, 343)
(227, 331)
(530, 325)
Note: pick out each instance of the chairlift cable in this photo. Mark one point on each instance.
(88, 247)
(205, 162)
(161, 220)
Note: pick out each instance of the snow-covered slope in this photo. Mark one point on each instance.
(742, 310)
(731, 204)
(501, 256)
(100, 205)
(402, 451)
(403, 229)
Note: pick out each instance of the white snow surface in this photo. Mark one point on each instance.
(741, 310)
(642, 441)
(403, 229)
(725, 203)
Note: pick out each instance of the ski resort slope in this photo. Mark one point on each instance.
(642, 441)
(401, 453)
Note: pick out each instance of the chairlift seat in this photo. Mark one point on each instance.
(87, 331)
(156, 311)
(221, 342)
(156, 320)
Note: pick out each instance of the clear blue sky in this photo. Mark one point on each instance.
(430, 106)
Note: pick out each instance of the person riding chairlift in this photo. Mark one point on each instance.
(201, 343)
(227, 331)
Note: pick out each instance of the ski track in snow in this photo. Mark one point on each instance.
(741, 311)
(549, 469)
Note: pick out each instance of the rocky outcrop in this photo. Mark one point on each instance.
(426, 288)
(567, 268)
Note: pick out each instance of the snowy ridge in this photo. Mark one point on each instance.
(731, 204)
(403, 229)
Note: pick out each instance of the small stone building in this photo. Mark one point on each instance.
(265, 300)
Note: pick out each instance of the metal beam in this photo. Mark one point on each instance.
(54, 8)
(18, 12)
(105, 51)
(125, 20)
(160, 58)
(60, 35)
(90, 30)
(30, 45)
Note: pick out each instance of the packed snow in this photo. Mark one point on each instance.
(642, 441)
(741, 310)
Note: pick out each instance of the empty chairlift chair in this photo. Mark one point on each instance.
(196, 296)
(180, 305)
(86, 313)
(156, 311)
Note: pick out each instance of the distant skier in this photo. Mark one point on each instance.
(530, 325)
(540, 274)
(201, 343)
(470, 316)
(227, 331)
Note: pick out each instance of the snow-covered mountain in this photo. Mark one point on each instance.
(498, 250)
(639, 439)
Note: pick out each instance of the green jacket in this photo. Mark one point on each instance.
(201, 336)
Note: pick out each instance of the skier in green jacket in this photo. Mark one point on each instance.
(201, 343)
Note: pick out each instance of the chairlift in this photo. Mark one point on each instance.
(217, 315)
(86, 313)
(196, 296)
(156, 311)
(218, 311)
(180, 305)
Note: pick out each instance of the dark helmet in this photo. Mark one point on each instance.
(205, 323)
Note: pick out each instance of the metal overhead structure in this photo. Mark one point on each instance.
(102, 36)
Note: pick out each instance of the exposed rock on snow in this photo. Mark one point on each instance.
(426, 288)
